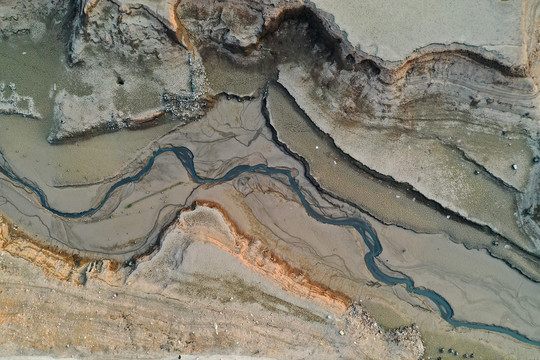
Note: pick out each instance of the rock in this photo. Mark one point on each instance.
(127, 53)
(77, 115)
(235, 24)
(15, 104)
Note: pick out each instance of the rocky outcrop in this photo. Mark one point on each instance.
(234, 24)
(30, 18)
(71, 117)
(140, 75)
(15, 103)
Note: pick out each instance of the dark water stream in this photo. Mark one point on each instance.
(185, 156)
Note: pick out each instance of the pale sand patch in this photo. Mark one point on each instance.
(392, 30)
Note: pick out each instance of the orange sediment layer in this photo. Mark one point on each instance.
(53, 262)
(89, 6)
(249, 250)
(144, 120)
(254, 254)
(179, 29)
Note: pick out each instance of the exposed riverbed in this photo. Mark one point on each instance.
(258, 185)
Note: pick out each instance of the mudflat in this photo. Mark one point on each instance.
(269, 179)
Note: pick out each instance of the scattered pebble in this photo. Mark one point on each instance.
(317, 146)
(441, 350)
(476, 172)
(536, 159)
(507, 246)
(341, 332)
(514, 166)
(24, 52)
(448, 216)
(495, 243)
(397, 196)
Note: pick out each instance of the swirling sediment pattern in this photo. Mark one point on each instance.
(186, 157)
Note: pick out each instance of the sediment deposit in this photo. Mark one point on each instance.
(266, 179)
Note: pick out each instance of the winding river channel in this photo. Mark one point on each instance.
(186, 157)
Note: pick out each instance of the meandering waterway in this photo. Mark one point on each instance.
(186, 158)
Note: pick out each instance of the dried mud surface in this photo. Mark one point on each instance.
(188, 178)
